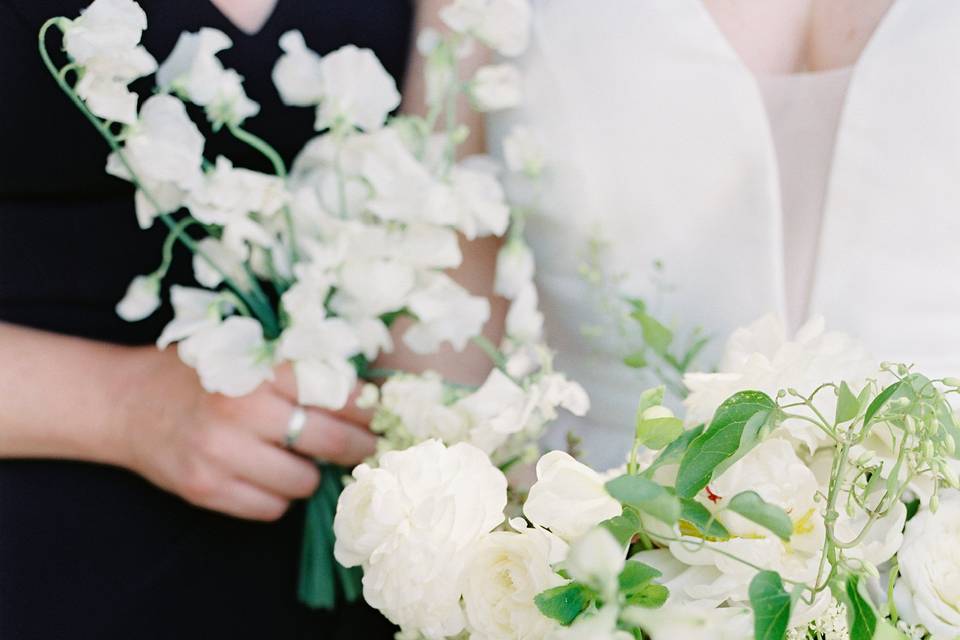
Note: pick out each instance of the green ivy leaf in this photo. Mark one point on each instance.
(719, 441)
(699, 517)
(624, 526)
(651, 596)
(564, 603)
(751, 506)
(879, 401)
(657, 433)
(771, 606)
(635, 576)
(863, 619)
(848, 405)
(647, 496)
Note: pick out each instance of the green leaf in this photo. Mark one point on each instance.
(651, 596)
(771, 606)
(635, 576)
(719, 441)
(658, 432)
(751, 506)
(879, 401)
(636, 360)
(651, 398)
(564, 603)
(624, 526)
(647, 496)
(699, 517)
(656, 335)
(886, 631)
(863, 619)
(694, 351)
(848, 405)
(674, 451)
(756, 429)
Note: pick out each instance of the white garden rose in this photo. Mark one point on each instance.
(568, 497)
(442, 501)
(231, 357)
(596, 559)
(194, 311)
(496, 86)
(141, 299)
(297, 72)
(445, 312)
(503, 25)
(762, 357)
(514, 268)
(357, 90)
(506, 571)
(105, 41)
(194, 72)
(928, 590)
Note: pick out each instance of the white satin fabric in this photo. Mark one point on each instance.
(658, 140)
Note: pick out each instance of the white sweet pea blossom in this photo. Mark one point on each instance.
(762, 357)
(498, 409)
(165, 151)
(320, 354)
(478, 199)
(194, 72)
(141, 299)
(411, 523)
(596, 559)
(503, 25)
(514, 268)
(419, 401)
(496, 86)
(105, 41)
(369, 288)
(691, 622)
(506, 571)
(194, 310)
(297, 73)
(214, 260)
(231, 357)
(601, 625)
(568, 497)
(522, 152)
(524, 319)
(445, 312)
(928, 591)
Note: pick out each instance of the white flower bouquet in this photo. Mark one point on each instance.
(808, 495)
(310, 266)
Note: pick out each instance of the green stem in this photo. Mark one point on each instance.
(492, 352)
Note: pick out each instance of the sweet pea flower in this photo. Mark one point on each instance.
(297, 73)
(524, 319)
(445, 312)
(142, 298)
(522, 152)
(194, 310)
(496, 86)
(514, 268)
(320, 354)
(503, 25)
(230, 357)
(596, 559)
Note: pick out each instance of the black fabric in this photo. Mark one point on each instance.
(88, 551)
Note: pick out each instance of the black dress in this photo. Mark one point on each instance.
(89, 551)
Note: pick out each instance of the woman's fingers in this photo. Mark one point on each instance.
(241, 499)
(285, 383)
(271, 468)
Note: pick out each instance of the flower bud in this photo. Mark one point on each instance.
(656, 412)
(952, 382)
(934, 503)
(950, 444)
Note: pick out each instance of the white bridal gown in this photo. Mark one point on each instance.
(836, 193)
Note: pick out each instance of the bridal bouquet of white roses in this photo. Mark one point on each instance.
(310, 266)
(808, 494)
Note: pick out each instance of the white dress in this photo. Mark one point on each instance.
(660, 144)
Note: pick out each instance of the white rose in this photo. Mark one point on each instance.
(496, 86)
(141, 300)
(597, 559)
(445, 312)
(504, 25)
(506, 571)
(568, 497)
(514, 268)
(928, 590)
(194, 72)
(522, 152)
(442, 501)
(194, 310)
(104, 40)
(231, 358)
(297, 72)
(762, 357)
(357, 90)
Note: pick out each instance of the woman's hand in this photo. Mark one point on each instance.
(228, 454)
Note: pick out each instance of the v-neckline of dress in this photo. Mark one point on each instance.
(236, 29)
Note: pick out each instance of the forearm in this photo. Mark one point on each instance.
(60, 396)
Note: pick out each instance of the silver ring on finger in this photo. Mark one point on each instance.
(298, 419)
